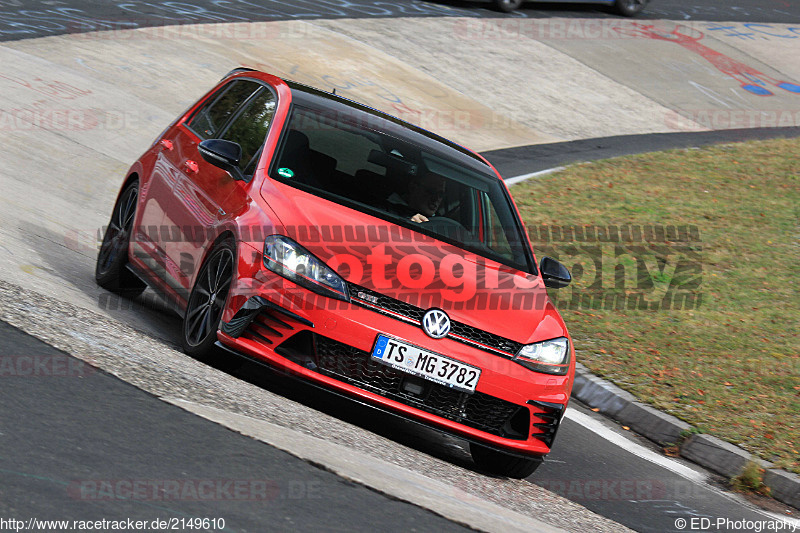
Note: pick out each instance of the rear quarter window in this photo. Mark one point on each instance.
(218, 109)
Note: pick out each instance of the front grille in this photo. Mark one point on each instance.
(411, 313)
(477, 410)
(386, 303)
(485, 338)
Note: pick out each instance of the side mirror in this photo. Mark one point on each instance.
(223, 154)
(554, 274)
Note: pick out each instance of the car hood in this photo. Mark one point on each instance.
(418, 269)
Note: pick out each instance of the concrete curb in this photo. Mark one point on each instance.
(709, 452)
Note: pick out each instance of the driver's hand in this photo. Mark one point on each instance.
(419, 218)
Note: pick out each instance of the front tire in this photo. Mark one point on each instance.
(207, 301)
(507, 6)
(111, 270)
(629, 8)
(502, 464)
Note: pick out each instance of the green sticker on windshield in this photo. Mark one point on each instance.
(285, 173)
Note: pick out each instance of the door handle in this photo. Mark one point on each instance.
(167, 144)
(192, 166)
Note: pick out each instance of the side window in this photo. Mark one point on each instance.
(220, 107)
(249, 128)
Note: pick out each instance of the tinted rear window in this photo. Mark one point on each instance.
(211, 118)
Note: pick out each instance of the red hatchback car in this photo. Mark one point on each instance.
(354, 250)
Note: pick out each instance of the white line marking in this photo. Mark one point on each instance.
(524, 177)
(633, 447)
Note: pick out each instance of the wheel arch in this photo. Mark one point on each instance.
(224, 235)
(133, 176)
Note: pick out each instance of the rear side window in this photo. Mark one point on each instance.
(207, 122)
(249, 128)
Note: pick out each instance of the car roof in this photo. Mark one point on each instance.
(316, 98)
(306, 92)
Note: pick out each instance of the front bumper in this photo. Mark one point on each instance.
(328, 343)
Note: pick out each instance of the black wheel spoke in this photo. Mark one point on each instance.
(217, 273)
(105, 254)
(224, 286)
(209, 279)
(129, 219)
(110, 249)
(222, 269)
(207, 322)
(196, 326)
(208, 298)
(130, 207)
(116, 218)
(196, 317)
(194, 312)
(121, 213)
(202, 291)
(115, 240)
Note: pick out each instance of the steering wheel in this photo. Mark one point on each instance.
(448, 227)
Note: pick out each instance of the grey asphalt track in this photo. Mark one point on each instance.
(644, 496)
(37, 18)
(511, 162)
(78, 444)
(75, 441)
(60, 430)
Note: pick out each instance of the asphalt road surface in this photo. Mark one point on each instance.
(615, 482)
(78, 444)
(521, 160)
(23, 19)
(57, 431)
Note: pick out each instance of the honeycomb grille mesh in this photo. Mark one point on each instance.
(477, 410)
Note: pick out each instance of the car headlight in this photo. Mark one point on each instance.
(550, 357)
(288, 259)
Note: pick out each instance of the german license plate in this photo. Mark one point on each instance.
(435, 367)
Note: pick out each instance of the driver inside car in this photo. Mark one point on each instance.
(422, 200)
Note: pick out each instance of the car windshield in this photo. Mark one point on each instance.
(379, 167)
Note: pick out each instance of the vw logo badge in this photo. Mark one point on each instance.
(436, 323)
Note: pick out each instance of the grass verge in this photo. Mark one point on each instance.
(686, 267)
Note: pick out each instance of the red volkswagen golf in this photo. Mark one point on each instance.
(352, 249)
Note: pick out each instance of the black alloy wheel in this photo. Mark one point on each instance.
(110, 271)
(207, 300)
